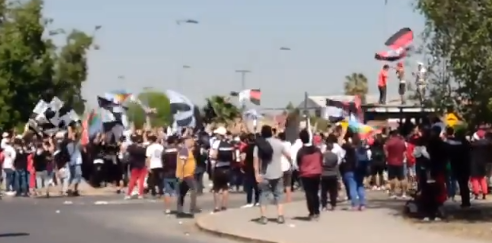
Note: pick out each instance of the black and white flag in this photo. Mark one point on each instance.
(51, 117)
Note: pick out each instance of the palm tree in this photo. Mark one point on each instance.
(356, 84)
(219, 109)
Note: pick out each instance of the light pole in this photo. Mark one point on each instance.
(243, 78)
(181, 74)
(243, 84)
(181, 22)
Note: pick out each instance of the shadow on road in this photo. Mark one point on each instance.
(14, 234)
(480, 212)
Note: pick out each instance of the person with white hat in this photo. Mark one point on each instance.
(223, 152)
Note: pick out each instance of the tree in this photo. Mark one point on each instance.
(290, 106)
(30, 64)
(152, 99)
(356, 84)
(458, 33)
(219, 109)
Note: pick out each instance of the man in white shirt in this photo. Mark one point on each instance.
(8, 165)
(154, 163)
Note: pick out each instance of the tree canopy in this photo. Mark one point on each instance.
(31, 63)
(219, 109)
(457, 41)
(156, 100)
(356, 84)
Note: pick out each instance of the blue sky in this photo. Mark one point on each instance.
(141, 41)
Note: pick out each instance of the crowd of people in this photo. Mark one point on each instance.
(265, 165)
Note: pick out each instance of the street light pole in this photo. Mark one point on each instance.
(243, 84)
(243, 78)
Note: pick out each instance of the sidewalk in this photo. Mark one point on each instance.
(370, 226)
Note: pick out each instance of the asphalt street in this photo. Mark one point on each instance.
(108, 219)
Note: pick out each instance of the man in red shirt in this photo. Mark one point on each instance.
(395, 151)
(382, 82)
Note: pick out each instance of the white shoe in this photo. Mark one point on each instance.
(393, 197)
(128, 197)
(404, 196)
(248, 205)
(374, 188)
(257, 204)
(140, 197)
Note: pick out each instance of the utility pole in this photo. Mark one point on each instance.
(243, 84)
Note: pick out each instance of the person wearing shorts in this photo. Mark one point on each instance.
(169, 180)
(395, 150)
(223, 152)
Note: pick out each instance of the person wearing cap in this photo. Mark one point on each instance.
(223, 152)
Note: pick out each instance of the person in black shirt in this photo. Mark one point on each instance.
(61, 158)
(223, 152)
(169, 161)
(41, 161)
(97, 152)
(250, 183)
(20, 165)
(137, 156)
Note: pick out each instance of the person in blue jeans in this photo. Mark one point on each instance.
(9, 180)
(21, 180)
(355, 163)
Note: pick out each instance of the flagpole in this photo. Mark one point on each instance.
(243, 84)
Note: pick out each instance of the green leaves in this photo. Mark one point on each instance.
(356, 84)
(30, 64)
(219, 109)
(153, 99)
(459, 33)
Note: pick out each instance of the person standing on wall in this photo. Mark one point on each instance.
(382, 82)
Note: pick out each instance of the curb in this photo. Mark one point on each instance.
(202, 226)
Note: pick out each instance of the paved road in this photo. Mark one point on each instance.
(29, 220)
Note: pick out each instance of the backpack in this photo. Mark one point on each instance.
(265, 150)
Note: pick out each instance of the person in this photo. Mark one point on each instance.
(169, 161)
(395, 153)
(20, 164)
(42, 157)
(382, 82)
(75, 165)
(223, 152)
(61, 158)
(310, 161)
(250, 184)
(400, 74)
(353, 173)
(154, 163)
(286, 169)
(267, 156)
(480, 156)
(138, 169)
(97, 152)
(9, 154)
(329, 178)
(458, 152)
(378, 164)
(420, 80)
(185, 172)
